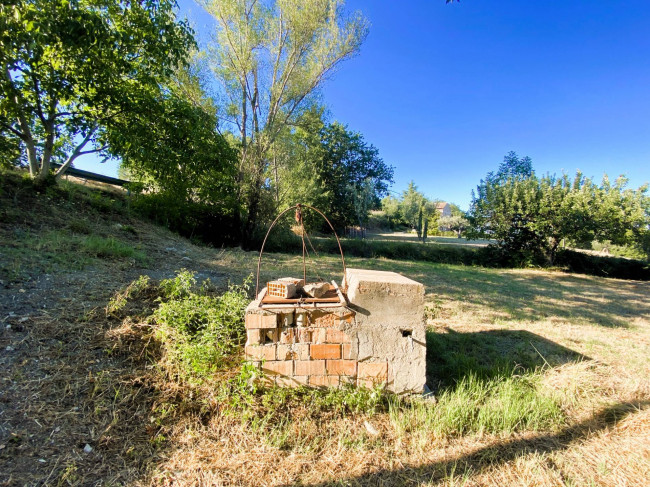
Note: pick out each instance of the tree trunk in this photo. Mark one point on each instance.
(46, 157)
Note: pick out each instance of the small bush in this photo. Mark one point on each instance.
(619, 268)
(199, 332)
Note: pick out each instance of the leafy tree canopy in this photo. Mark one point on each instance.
(530, 216)
(69, 69)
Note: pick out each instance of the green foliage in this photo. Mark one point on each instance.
(179, 286)
(170, 144)
(410, 205)
(270, 57)
(200, 332)
(530, 216)
(353, 173)
(457, 224)
(195, 220)
(596, 265)
(71, 68)
(119, 300)
(248, 398)
(110, 247)
(330, 167)
(391, 208)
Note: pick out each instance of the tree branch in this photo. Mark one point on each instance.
(76, 153)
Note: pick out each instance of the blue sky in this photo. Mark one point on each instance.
(445, 91)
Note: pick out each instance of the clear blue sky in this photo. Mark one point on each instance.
(445, 91)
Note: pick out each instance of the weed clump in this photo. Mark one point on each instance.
(199, 331)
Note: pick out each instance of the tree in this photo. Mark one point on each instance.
(530, 216)
(455, 223)
(353, 174)
(391, 207)
(412, 201)
(172, 145)
(271, 57)
(70, 68)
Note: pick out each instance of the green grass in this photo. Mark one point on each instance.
(476, 406)
(51, 250)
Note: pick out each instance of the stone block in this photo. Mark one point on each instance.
(325, 351)
(371, 374)
(389, 326)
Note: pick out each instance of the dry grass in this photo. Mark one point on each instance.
(77, 376)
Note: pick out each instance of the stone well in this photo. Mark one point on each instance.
(373, 335)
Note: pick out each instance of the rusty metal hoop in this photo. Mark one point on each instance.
(299, 206)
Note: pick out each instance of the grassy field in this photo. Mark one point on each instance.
(539, 378)
(413, 238)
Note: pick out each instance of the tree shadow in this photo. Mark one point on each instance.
(496, 454)
(507, 295)
(452, 355)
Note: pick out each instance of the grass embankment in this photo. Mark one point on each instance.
(539, 378)
(68, 226)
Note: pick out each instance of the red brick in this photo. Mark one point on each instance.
(346, 351)
(337, 336)
(324, 320)
(341, 367)
(371, 374)
(286, 352)
(261, 321)
(279, 367)
(287, 335)
(325, 351)
(310, 367)
(303, 335)
(253, 337)
(302, 349)
(324, 380)
(319, 335)
(260, 352)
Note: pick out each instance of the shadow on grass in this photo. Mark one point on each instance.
(497, 454)
(451, 355)
(513, 296)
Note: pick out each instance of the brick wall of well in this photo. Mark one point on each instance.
(309, 347)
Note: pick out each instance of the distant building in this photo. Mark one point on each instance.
(443, 208)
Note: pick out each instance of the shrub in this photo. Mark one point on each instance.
(617, 267)
(199, 332)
